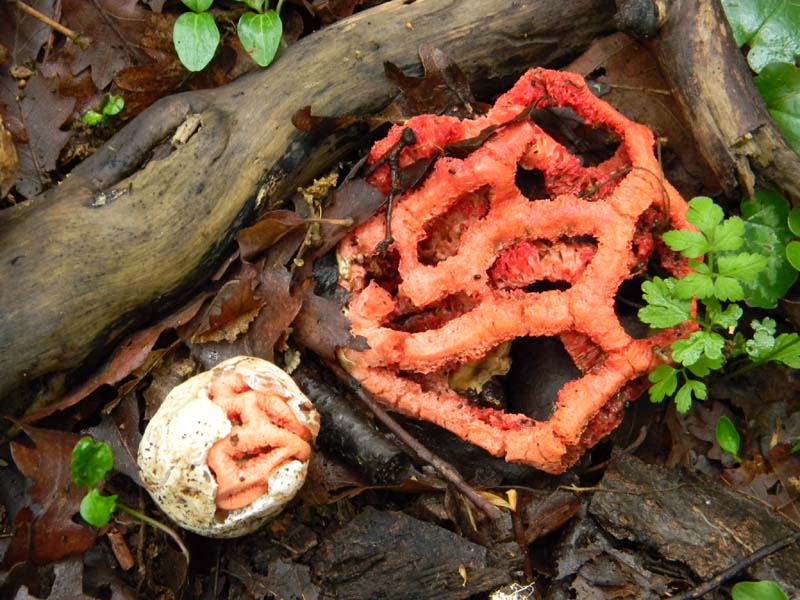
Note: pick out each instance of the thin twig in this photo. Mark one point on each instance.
(82, 41)
(444, 468)
(158, 525)
(738, 567)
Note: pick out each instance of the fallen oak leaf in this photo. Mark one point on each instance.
(51, 534)
(267, 231)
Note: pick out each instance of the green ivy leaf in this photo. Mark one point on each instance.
(90, 463)
(794, 220)
(692, 387)
(198, 6)
(663, 308)
(196, 38)
(779, 84)
(665, 380)
(758, 590)
(256, 5)
(728, 437)
(768, 27)
(688, 351)
(260, 35)
(793, 254)
(113, 105)
(692, 244)
(97, 509)
(766, 218)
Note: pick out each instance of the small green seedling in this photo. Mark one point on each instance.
(196, 35)
(90, 464)
(758, 590)
(111, 107)
(728, 438)
(737, 265)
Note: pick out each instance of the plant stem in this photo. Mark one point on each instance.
(278, 7)
(82, 41)
(158, 525)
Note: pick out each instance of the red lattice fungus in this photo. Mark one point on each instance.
(266, 434)
(468, 246)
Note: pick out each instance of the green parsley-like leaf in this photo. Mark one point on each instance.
(728, 437)
(728, 289)
(688, 352)
(663, 308)
(779, 84)
(729, 235)
(665, 380)
(704, 214)
(692, 387)
(766, 218)
(786, 350)
(768, 27)
(758, 590)
(692, 244)
(97, 509)
(90, 463)
(727, 318)
(694, 284)
(92, 118)
(705, 365)
(744, 266)
(196, 38)
(260, 35)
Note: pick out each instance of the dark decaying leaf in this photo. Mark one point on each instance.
(267, 231)
(129, 355)
(249, 319)
(284, 580)
(115, 27)
(67, 583)
(23, 34)
(356, 200)
(443, 89)
(120, 430)
(330, 11)
(51, 534)
(321, 327)
(35, 119)
(9, 160)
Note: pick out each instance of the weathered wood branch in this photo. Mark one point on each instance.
(714, 87)
(141, 224)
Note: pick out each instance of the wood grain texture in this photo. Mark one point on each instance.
(714, 87)
(127, 235)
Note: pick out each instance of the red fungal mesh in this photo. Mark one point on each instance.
(468, 246)
(266, 434)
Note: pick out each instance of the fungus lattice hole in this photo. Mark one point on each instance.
(435, 316)
(382, 269)
(540, 367)
(531, 264)
(592, 146)
(443, 233)
(531, 183)
(627, 305)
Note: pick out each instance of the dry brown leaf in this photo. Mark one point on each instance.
(51, 534)
(9, 161)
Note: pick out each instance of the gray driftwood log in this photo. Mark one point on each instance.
(143, 222)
